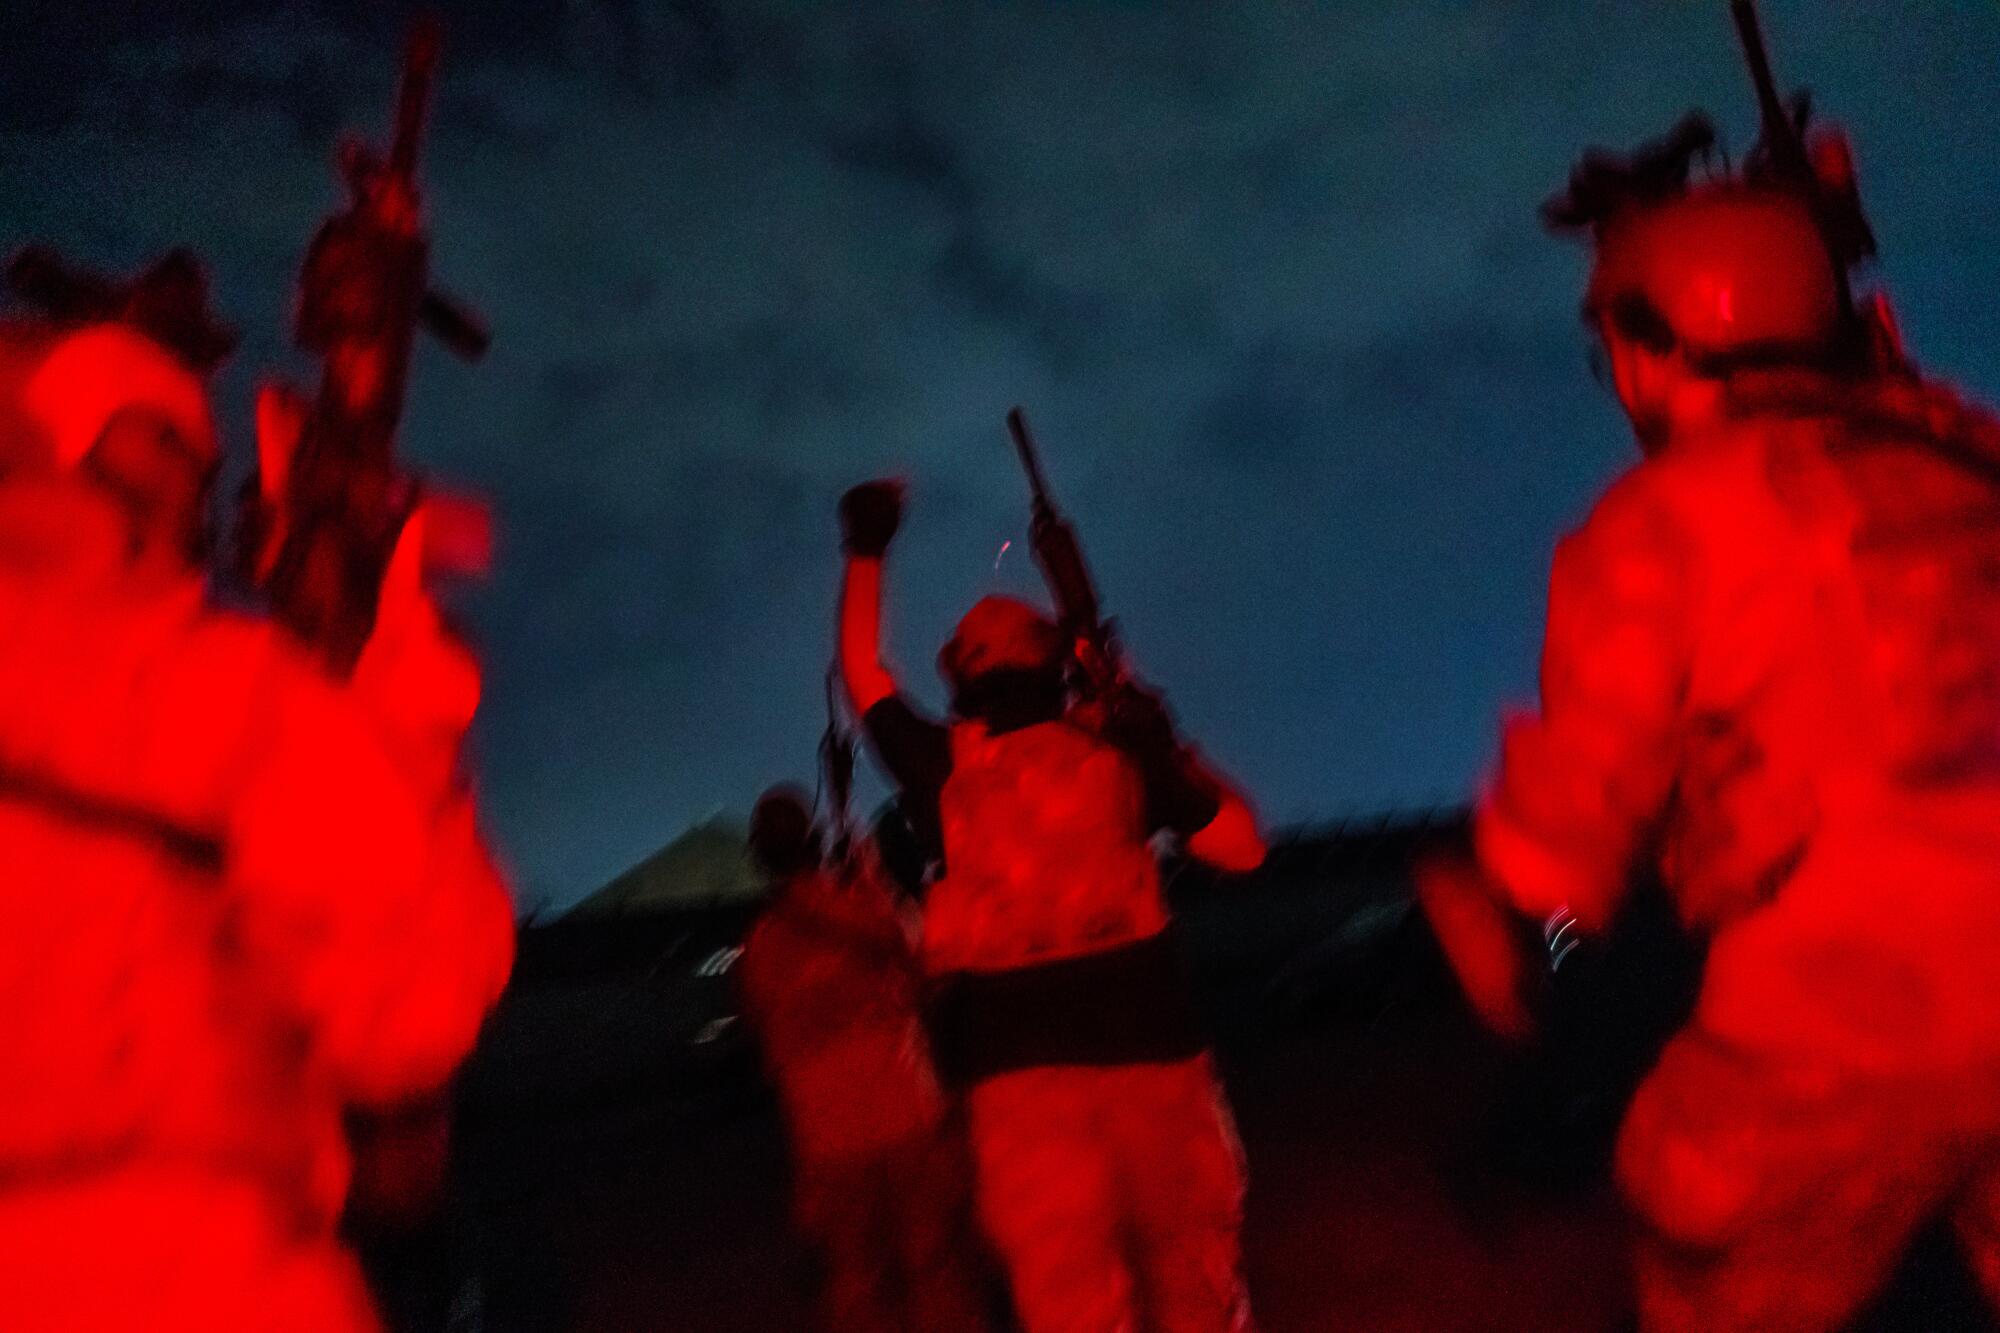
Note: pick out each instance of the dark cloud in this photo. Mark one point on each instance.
(997, 283)
(896, 145)
(1272, 408)
(305, 95)
(56, 66)
(572, 388)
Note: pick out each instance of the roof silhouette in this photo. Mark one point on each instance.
(707, 865)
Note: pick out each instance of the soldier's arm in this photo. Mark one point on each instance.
(1184, 794)
(1482, 939)
(1231, 840)
(1580, 783)
(1220, 828)
(414, 675)
(867, 678)
(916, 751)
(369, 902)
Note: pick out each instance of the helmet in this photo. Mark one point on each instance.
(1000, 634)
(97, 347)
(1724, 270)
(24, 345)
(60, 387)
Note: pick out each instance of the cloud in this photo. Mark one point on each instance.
(1268, 278)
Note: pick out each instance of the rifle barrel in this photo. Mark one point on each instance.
(1024, 444)
(413, 98)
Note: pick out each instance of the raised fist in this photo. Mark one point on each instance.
(869, 516)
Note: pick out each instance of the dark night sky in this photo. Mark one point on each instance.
(1267, 276)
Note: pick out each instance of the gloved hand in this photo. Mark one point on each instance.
(417, 675)
(869, 516)
(1136, 720)
(1493, 953)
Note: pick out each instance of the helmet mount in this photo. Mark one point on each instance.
(1729, 266)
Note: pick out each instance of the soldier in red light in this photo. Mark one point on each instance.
(1108, 1173)
(238, 898)
(880, 1178)
(1772, 670)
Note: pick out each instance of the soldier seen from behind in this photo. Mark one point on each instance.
(1108, 1173)
(880, 1178)
(1771, 677)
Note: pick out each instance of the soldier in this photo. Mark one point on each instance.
(1108, 1173)
(1771, 675)
(238, 898)
(880, 1178)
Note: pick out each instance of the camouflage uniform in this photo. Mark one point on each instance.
(880, 1177)
(1110, 1177)
(238, 898)
(1773, 662)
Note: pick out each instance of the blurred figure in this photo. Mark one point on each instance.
(880, 1177)
(1108, 1171)
(238, 899)
(1771, 677)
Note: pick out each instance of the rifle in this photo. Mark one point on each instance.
(325, 509)
(328, 503)
(1112, 699)
(1099, 660)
